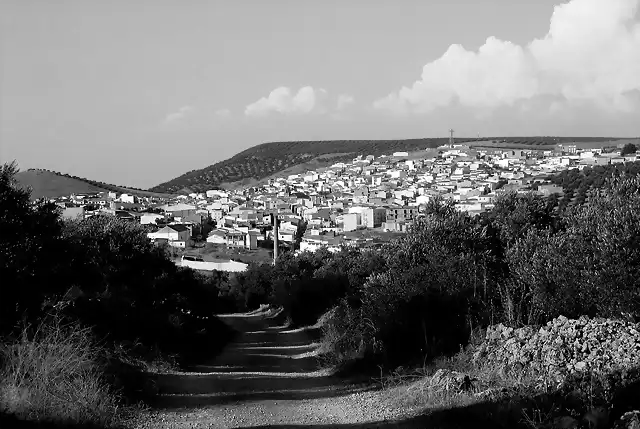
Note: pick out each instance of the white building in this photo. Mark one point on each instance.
(369, 217)
(351, 221)
(126, 198)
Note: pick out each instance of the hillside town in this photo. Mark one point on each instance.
(362, 203)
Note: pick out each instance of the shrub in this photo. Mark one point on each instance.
(53, 373)
(628, 149)
(433, 287)
(342, 336)
(253, 287)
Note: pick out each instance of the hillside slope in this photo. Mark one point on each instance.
(51, 184)
(268, 159)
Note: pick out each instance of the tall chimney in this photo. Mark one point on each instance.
(275, 238)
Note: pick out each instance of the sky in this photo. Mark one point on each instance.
(138, 92)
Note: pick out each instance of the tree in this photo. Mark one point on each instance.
(31, 249)
(515, 214)
(629, 148)
(300, 230)
(589, 268)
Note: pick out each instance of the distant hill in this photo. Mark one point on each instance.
(270, 159)
(51, 184)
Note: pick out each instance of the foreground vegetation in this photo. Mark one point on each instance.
(422, 298)
(86, 307)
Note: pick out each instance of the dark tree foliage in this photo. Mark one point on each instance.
(514, 215)
(251, 288)
(102, 271)
(628, 149)
(31, 264)
(591, 267)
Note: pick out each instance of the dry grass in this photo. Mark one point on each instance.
(51, 373)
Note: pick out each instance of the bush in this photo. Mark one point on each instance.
(436, 284)
(342, 336)
(628, 149)
(53, 373)
(164, 332)
(252, 288)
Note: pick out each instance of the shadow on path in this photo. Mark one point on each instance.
(266, 361)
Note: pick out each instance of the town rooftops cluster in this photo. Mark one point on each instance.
(360, 203)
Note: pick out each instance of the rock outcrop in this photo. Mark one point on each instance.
(562, 348)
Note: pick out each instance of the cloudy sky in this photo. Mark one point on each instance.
(137, 92)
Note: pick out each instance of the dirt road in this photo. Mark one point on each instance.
(267, 377)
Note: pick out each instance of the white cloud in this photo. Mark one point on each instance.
(180, 114)
(344, 100)
(282, 100)
(591, 53)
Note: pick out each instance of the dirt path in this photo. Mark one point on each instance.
(267, 377)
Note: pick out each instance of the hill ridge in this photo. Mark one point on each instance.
(45, 183)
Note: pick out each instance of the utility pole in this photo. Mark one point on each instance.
(275, 237)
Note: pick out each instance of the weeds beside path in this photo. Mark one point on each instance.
(55, 375)
(268, 376)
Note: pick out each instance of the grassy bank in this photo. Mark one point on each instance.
(56, 372)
